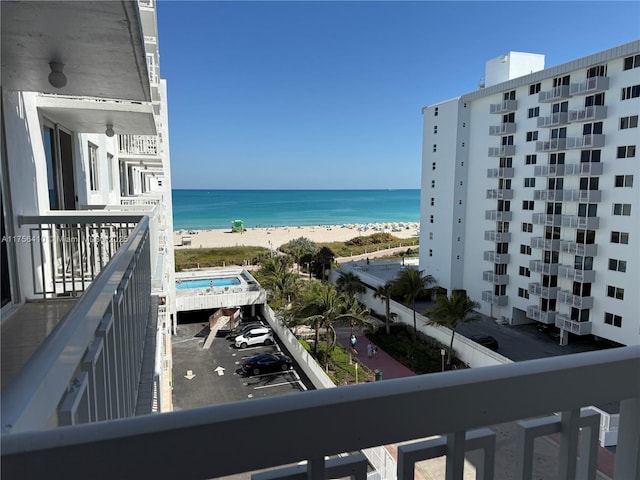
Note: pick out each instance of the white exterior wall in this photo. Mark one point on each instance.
(512, 65)
(479, 141)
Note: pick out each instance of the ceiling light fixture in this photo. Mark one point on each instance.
(57, 78)
(109, 131)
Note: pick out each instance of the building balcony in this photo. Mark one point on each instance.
(138, 145)
(154, 446)
(495, 236)
(489, 296)
(505, 172)
(548, 195)
(548, 317)
(491, 256)
(548, 170)
(586, 141)
(584, 168)
(552, 145)
(568, 298)
(576, 274)
(540, 291)
(504, 107)
(553, 120)
(538, 266)
(596, 112)
(589, 86)
(502, 129)
(577, 328)
(499, 194)
(489, 276)
(498, 216)
(589, 250)
(575, 221)
(556, 93)
(502, 151)
(545, 244)
(591, 196)
(546, 219)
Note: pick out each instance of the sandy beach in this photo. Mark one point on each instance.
(273, 237)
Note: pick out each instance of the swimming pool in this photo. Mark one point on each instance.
(208, 282)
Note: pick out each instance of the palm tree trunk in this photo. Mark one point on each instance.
(453, 332)
(388, 311)
(317, 339)
(415, 329)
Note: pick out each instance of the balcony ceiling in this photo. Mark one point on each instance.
(100, 43)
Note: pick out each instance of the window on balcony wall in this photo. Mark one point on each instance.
(585, 237)
(620, 237)
(549, 280)
(591, 100)
(624, 181)
(631, 62)
(579, 315)
(549, 256)
(582, 289)
(500, 268)
(587, 209)
(590, 156)
(534, 88)
(589, 183)
(527, 204)
(504, 205)
(532, 136)
(529, 182)
(524, 271)
(629, 122)
(527, 227)
(504, 184)
(554, 208)
(617, 265)
(611, 319)
(560, 107)
(583, 263)
(623, 209)
(551, 233)
(507, 140)
(594, 128)
(547, 304)
(525, 249)
(558, 81)
(559, 132)
(523, 292)
(509, 118)
(628, 151)
(531, 159)
(502, 247)
(615, 292)
(511, 95)
(597, 71)
(630, 92)
(58, 149)
(555, 183)
(533, 112)
(556, 158)
(506, 162)
(94, 183)
(499, 290)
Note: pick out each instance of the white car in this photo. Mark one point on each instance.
(255, 336)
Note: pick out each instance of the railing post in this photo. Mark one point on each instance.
(567, 455)
(455, 456)
(627, 465)
(316, 469)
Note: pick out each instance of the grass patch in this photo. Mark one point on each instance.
(340, 371)
(344, 249)
(189, 258)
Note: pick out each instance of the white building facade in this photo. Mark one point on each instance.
(88, 290)
(530, 193)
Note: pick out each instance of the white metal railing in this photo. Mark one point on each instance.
(165, 445)
(88, 368)
(138, 144)
(585, 141)
(505, 106)
(585, 168)
(557, 118)
(590, 85)
(502, 151)
(502, 129)
(555, 93)
(595, 112)
(551, 145)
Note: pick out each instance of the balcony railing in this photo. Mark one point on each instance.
(502, 151)
(502, 129)
(545, 292)
(568, 298)
(68, 249)
(590, 85)
(586, 141)
(538, 266)
(503, 172)
(556, 93)
(591, 196)
(576, 274)
(496, 279)
(575, 221)
(546, 219)
(498, 216)
(584, 168)
(568, 246)
(491, 256)
(545, 243)
(89, 368)
(552, 145)
(495, 236)
(558, 118)
(489, 296)
(550, 195)
(504, 107)
(548, 170)
(499, 194)
(578, 328)
(165, 446)
(138, 145)
(596, 112)
(548, 317)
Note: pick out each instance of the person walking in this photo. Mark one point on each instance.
(353, 343)
(375, 352)
(369, 350)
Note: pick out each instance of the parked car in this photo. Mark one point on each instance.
(486, 341)
(255, 336)
(266, 362)
(243, 328)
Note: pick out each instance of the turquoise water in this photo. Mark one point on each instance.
(207, 282)
(208, 209)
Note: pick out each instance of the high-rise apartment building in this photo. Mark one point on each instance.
(531, 197)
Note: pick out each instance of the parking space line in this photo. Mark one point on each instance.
(274, 385)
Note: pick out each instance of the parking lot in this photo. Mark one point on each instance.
(214, 376)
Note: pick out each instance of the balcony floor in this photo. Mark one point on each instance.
(25, 331)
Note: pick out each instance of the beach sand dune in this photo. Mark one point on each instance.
(274, 237)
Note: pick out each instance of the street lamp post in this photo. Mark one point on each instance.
(442, 354)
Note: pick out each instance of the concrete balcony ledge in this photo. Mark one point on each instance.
(502, 129)
(558, 118)
(496, 279)
(502, 151)
(590, 85)
(551, 145)
(495, 236)
(578, 328)
(556, 93)
(545, 243)
(537, 314)
(549, 171)
(596, 112)
(494, 257)
(506, 172)
(505, 106)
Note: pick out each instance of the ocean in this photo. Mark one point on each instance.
(212, 209)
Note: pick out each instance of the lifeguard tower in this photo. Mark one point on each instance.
(237, 226)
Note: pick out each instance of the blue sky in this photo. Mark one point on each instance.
(329, 94)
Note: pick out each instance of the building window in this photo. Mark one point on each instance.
(620, 237)
(433, 201)
(527, 204)
(431, 252)
(623, 209)
(435, 147)
(533, 112)
(611, 319)
(556, 158)
(529, 182)
(615, 292)
(524, 271)
(534, 88)
(509, 95)
(629, 122)
(527, 227)
(589, 183)
(110, 171)
(631, 62)
(597, 71)
(93, 167)
(559, 81)
(531, 159)
(624, 181)
(433, 184)
(590, 156)
(523, 292)
(430, 218)
(433, 166)
(430, 235)
(591, 100)
(628, 151)
(594, 128)
(435, 129)
(435, 112)
(508, 140)
(525, 249)
(532, 136)
(587, 209)
(617, 265)
(630, 92)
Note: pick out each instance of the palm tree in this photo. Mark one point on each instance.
(452, 311)
(275, 275)
(299, 247)
(411, 284)
(323, 257)
(384, 292)
(350, 284)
